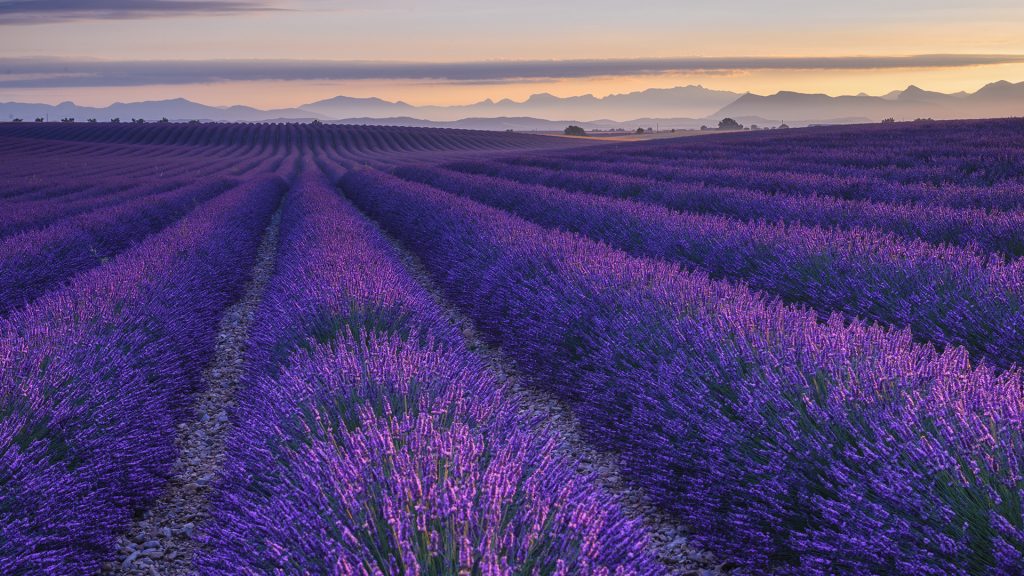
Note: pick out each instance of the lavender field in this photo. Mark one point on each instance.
(319, 349)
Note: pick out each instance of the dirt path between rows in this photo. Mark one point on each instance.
(669, 540)
(163, 540)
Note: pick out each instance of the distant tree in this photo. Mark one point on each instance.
(783, 126)
(639, 130)
(164, 121)
(68, 120)
(39, 119)
(16, 120)
(704, 127)
(194, 122)
(91, 120)
(673, 131)
(115, 120)
(729, 124)
(509, 130)
(754, 127)
(889, 121)
(575, 131)
(138, 120)
(316, 122)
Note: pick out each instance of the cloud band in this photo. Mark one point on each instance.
(53, 73)
(46, 11)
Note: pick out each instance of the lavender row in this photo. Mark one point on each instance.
(50, 193)
(95, 376)
(370, 441)
(1001, 232)
(100, 164)
(980, 153)
(948, 296)
(15, 188)
(777, 179)
(37, 173)
(36, 261)
(382, 141)
(39, 214)
(621, 179)
(123, 169)
(793, 446)
(939, 167)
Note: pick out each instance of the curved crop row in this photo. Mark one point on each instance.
(630, 183)
(90, 161)
(38, 214)
(371, 441)
(117, 166)
(33, 262)
(948, 296)
(778, 180)
(796, 447)
(977, 153)
(94, 377)
(991, 231)
(376, 140)
(15, 187)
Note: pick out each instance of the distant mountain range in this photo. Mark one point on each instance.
(177, 109)
(686, 107)
(994, 100)
(530, 124)
(686, 101)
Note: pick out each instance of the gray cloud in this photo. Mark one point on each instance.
(56, 73)
(45, 11)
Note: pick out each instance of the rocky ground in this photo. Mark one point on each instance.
(669, 539)
(162, 540)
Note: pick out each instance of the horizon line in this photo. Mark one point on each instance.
(48, 72)
(70, 100)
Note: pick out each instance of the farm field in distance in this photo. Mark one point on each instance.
(323, 349)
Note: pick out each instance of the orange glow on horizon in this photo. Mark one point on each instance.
(455, 31)
(281, 94)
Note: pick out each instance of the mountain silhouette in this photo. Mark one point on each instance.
(685, 107)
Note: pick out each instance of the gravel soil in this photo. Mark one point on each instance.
(669, 539)
(163, 538)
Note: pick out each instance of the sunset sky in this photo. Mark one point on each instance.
(278, 53)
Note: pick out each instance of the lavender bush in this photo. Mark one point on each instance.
(946, 295)
(791, 445)
(35, 261)
(991, 231)
(365, 405)
(95, 376)
(787, 432)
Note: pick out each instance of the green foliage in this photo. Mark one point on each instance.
(729, 124)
